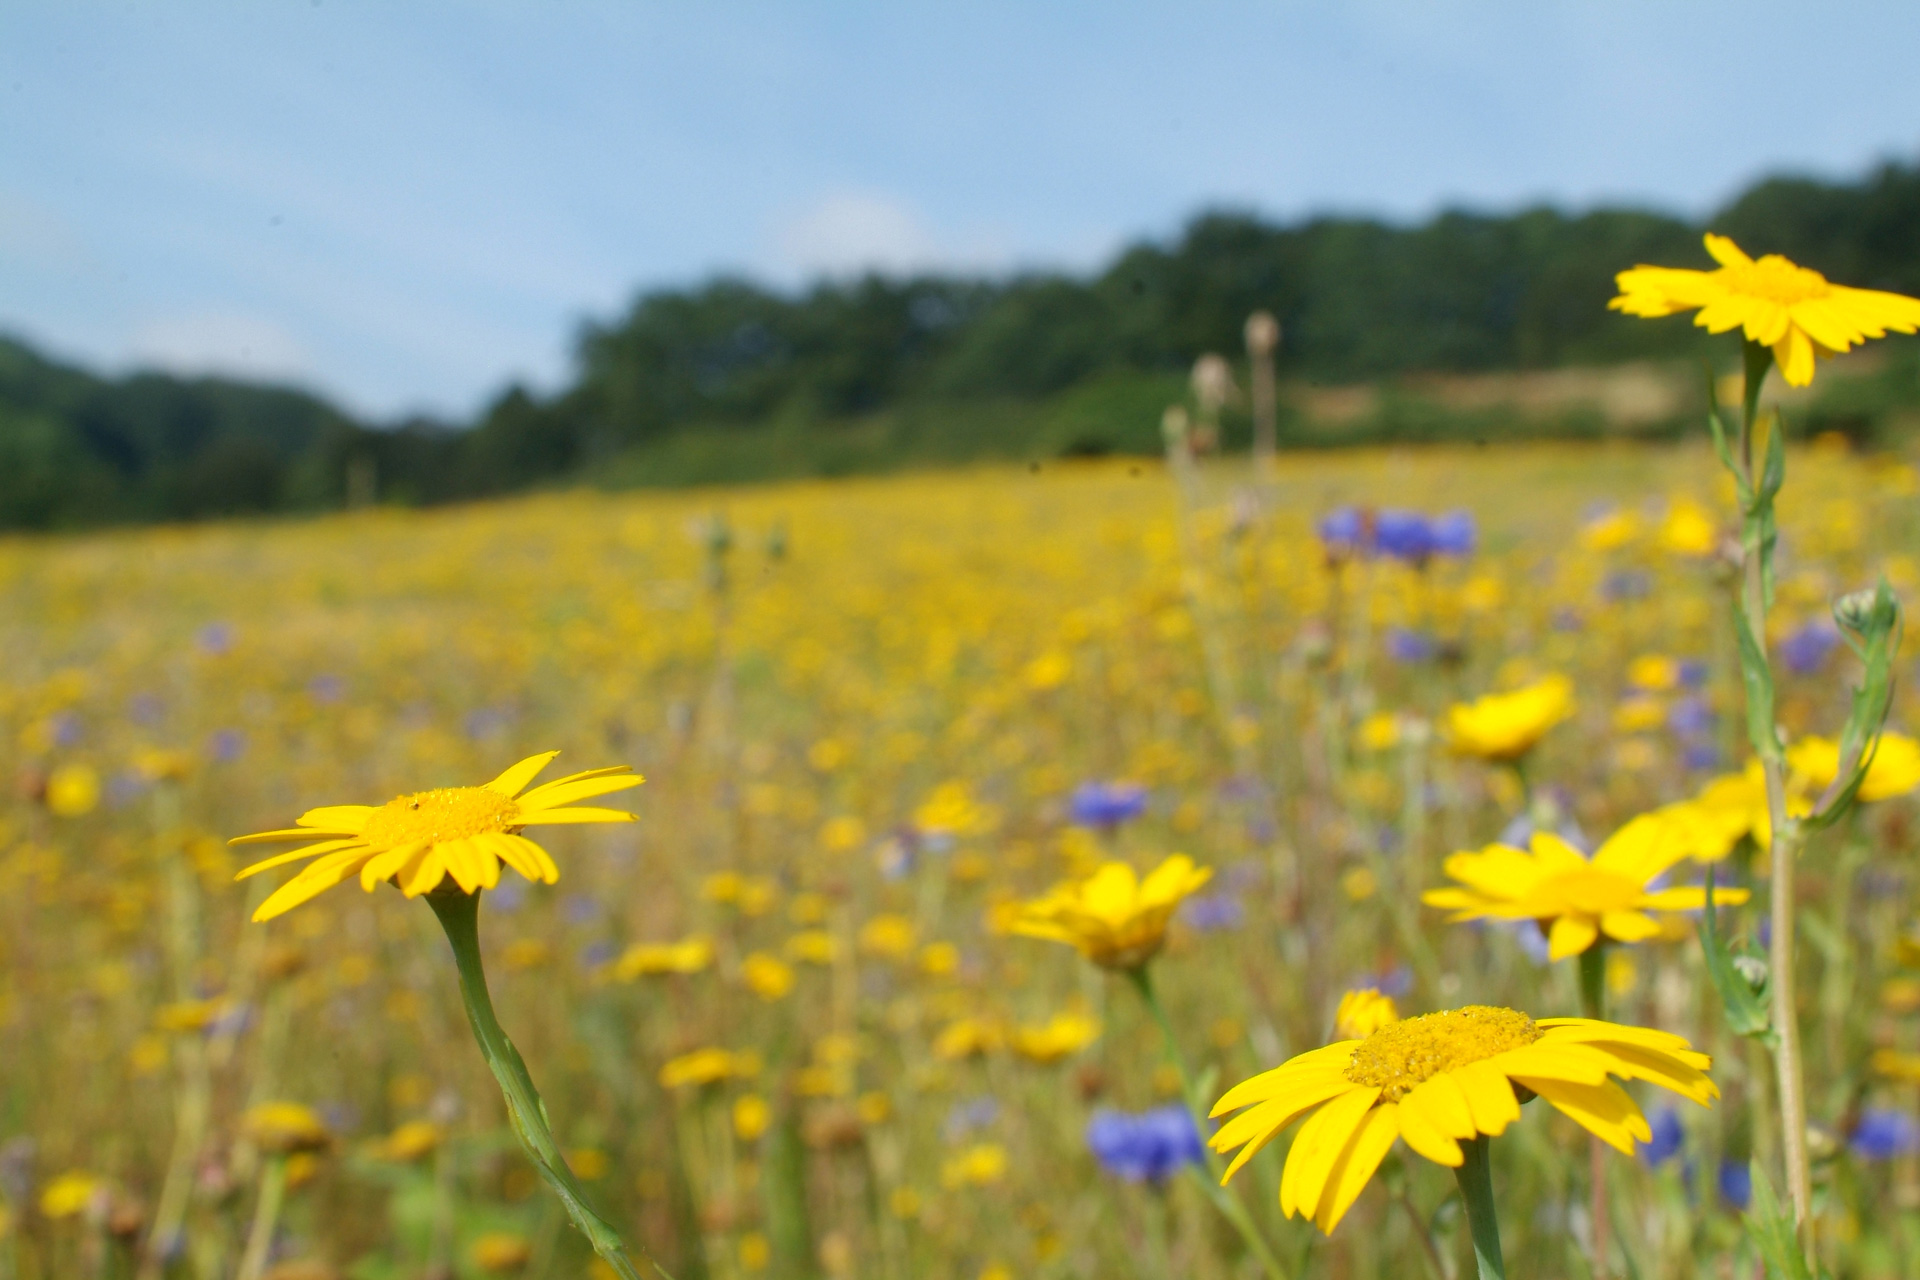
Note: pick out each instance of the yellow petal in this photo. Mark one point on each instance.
(1444, 1104)
(1629, 926)
(1603, 1110)
(1318, 1144)
(348, 818)
(1489, 1097)
(557, 817)
(516, 778)
(386, 865)
(1417, 1127)
(290, 833)
(1254, 1129)
(529, 851)
(1269, 1083)
(295, 855)
(1570, 936)
(568, 790)
(315, 880)
(1354, 1169)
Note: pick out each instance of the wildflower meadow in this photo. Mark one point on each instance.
(1423, 861)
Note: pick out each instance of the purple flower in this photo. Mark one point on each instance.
(1690, 716)
(1454, 534)
(1409, 646)
(1213, 912)
(1627, 584)
(1736, 1183)
(1806, 648)
(215, 638)
(1106, 804)
(1668, 1137)
(1884, 1133)
(1343, 531)
(1693, 672)
(1700, 756)
(226, 745)
(1150, 1146)
(1404, 535)
(326, 688)
(965, 1117)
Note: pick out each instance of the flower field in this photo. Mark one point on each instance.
(874, 984)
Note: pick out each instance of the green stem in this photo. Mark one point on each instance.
(1476, 1192)
(1225, 1200)
(459, 915)
(1593, 981)
(266, 1216)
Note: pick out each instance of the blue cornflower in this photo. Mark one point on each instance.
(1668, 1137)
(1806, 647)
(1151, 1146)
(1213, 912)
(1736, 1183)
(1883, 1133)
(1106, 804)
(1404, 535)
(1409, 646)
(1454, 534)
(1343, 531)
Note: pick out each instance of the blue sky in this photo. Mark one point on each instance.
(405, 203)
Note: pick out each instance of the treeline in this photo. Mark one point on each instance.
(730, 379)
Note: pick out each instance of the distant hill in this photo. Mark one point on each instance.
(730, 380)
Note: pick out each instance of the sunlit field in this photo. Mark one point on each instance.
(786, 1023)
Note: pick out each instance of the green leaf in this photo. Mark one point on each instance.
(1718, 427)
(1758, 680)
(1746, 1010)
(1771, 1228)
(1872, 626)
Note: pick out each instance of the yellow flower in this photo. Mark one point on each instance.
(1582, 898)
(1113, 917)
(701, 1067)
(1895, 769)
(977, 1166)
(887, 935)
(72, 791)
(418, 840)
(766, 976)
(751, 1116)
(1058, 1037)
(1790, 308)
(1688, 529)
(411, 1141)
(1363, 1012)
(1505, 726)
(650, 959)
(967, 1038)
(69, 1194)
(813, 946)
(1440, 1078)
(500, 1251)
(285, 1127)
(1730, 807)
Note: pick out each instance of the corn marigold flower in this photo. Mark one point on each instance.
(284, 1128)
(418, 840)
(652, 959)
(1113, 917)
(1774, 302)
(1438, 1079)
(1575, 898)
(1894, 770)
(70, 1194)
(1505, 726)
(1060, 1036)
(1363, 1012)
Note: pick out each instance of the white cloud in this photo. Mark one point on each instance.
(850, 232)
(232, 343)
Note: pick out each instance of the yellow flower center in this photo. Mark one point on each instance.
(1404, 1054)
(445, 813)
(1777, 280)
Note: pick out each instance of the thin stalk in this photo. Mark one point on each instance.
(266, 1216)
(1784, 844)
(1225, 1200)
(459, 915)
(1593, 1004)
(1476, 1192)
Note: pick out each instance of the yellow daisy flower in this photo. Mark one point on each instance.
(1113, 917)
(1895, 769)
(418, 840)
(1774, 302)
(1362, 1012)
(1581, 897)
(1505, 726)
(1437, 1080)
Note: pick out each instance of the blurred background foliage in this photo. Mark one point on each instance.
(731, 381)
